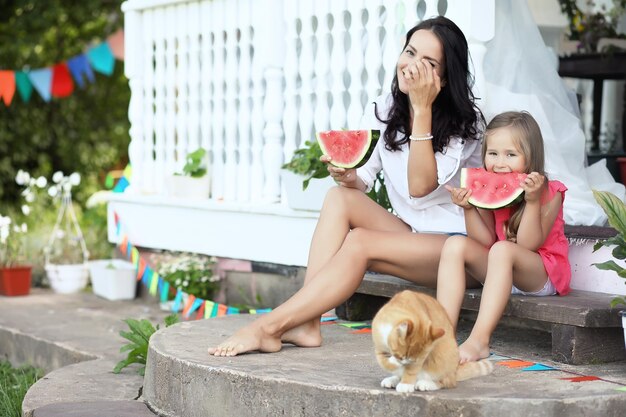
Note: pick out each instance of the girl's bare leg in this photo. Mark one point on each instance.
(343, 209)
(408, 255)
(508, 263)
(458, 254)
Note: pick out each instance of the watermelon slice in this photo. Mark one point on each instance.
(348, 148)
(492, 190)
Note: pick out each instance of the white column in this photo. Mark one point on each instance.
(322, 67)
(182, 83)
(357, 61)
(172, 163)
(306, 70)
(147, 170)
(217, 119)
(244, 117)
(230, 131)
(160, 169)
(206, 74)
(258, 95)
(338, 58)
(193, 102)
(290, 115)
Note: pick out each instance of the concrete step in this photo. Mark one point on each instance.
(342, 378)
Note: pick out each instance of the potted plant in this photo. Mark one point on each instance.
(191, 273)
(66, 255)
(615, 210)
(15, 268)
(113, 279)
(194, 180)
(307, 180)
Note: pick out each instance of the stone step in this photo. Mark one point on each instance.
(342, 378)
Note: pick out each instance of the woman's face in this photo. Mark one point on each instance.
(423, 44)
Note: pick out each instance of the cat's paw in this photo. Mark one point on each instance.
(426, 385)
(401, 387)
(390, 381)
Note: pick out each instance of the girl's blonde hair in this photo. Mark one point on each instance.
(528, 140)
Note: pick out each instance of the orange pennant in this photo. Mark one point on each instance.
(515, 363)
(7, 86)
(62, 84)
(116, 43)
(200, 314)
(188, 304)
(141, 269)
(362, 331)
(221, 309)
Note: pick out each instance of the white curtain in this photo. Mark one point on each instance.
(520, 75)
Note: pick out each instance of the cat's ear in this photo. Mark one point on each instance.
(404, 328)
(436, 332)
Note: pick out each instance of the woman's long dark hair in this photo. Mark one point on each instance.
(454, 110)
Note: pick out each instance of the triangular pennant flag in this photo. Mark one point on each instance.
(141, 268)
(232, 310)
(79, 67)
(515, 363)
(196, 304)
(221, 310)
(24, 87)
(154, 285)
(124, 245)
(42, 81)
(121, 185)
(165, 291)
(214, 308)
(263, 310)
(190, 300)
(134, 255)
(252, 311)
(200, 314)
(7, 86)
(362, 331)
(539, 367)
(177, 301)
(62, 84)
(116, 43)
(208, 309)
(581, 378)
(101, 59)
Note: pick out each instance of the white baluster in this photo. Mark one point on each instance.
(322, 67)
(182, 86)
(217, 119)
(159, 101)
(148, 102)
(306, 73)
(290, 115)
(230, 131)
(172, 163)
(193, 34)
(338, 111)
(206, 75)
(373, 51)
(356, 60)
(394, 40)
(258, 95)
(243, 168)
(133, 69)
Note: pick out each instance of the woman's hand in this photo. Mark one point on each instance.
(424, 83)
(533, 186)
(342, 176)
(460, 196)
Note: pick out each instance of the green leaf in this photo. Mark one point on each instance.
(609, 266)
(619, 252)
(614, 209)
(617, 301)
(171, 319)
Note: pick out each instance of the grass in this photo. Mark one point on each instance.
(14, 382)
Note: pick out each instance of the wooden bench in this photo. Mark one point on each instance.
(583, 326)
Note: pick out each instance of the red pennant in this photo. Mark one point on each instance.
(581, 378)
(62, 84)
(142, 269)
(200, 314)
(7, 86)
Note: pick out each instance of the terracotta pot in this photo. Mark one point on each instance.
(622, 168)
(15, 280)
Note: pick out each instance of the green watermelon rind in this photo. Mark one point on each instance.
(361, 159)
(515, 197)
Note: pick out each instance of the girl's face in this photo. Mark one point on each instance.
(503, 154)
(423, 44)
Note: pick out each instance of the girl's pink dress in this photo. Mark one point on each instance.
(554, 250)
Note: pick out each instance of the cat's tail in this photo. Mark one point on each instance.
(469, 370)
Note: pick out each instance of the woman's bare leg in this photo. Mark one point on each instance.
(343, 209)
(408, 255)
(508, 263)
(459, 254)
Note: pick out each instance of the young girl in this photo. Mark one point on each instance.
(512, 250)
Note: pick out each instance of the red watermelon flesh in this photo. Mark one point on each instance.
(492, 190)
(348, 148)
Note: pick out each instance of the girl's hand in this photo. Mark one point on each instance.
(533, 186)
(342, 176)
(460, 196)
(424, 83)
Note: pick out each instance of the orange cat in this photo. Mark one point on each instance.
(414, 340)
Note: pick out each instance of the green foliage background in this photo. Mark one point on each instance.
(86, 132)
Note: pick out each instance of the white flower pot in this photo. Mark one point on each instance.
(67, 279)
(113, 279)
(188, 187)
(623, 313)
(310, 199)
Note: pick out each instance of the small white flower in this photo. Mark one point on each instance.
(75, 178)
(57, 177)
(177, 282)
(24, 228)
(29, 197)
(66, 186)
(4, 221)
(185, 283)
(26, 210)
(22, 177)
(41, 182)
(16, 228)
(53, 191)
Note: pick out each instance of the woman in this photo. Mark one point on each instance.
(429, 127)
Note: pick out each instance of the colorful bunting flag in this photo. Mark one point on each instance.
(62, 84)
(41, 80)
(7, 86)
(79, 67)
(101, 59)
(165, 291)
(539, 367)
(116, 43)
(581, 378)
(24, 87)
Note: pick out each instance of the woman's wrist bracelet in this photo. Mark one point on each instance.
(426, 136)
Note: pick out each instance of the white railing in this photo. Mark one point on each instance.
(251, 80)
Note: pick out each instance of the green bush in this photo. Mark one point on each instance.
(14, 382)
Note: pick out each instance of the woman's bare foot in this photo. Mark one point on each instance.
(306, 335)
(472, 350)
(250, 338)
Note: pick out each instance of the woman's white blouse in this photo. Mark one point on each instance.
(434, 212)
